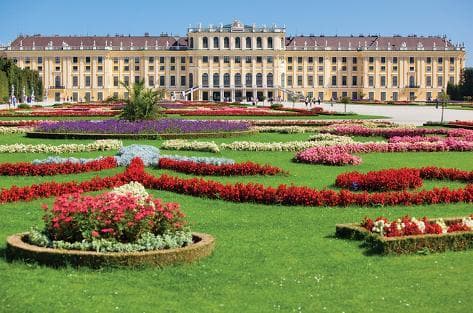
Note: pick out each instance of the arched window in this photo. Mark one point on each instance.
(216, 46)
(412, 81)
(237, 43)
(57, 81)
(259, 80)
(226, 42)
(205, 43)
(248, 80)
(191, 80)
(283, 80)
(205, 80)
(237, 80)
(248, 42)
(270, 42)
(269, 80)
(216, 80)
(226, 80)
(191, 43)
(259, 43)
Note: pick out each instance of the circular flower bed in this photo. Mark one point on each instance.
(125, 222)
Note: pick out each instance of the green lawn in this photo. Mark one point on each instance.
(267, 258)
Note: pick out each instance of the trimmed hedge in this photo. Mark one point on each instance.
(454, 241)
(18, 249)
(36, 134)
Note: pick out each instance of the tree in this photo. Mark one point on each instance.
(142, 103)
(443, 99)
(345, 101)
(464, 88)
(20, 78)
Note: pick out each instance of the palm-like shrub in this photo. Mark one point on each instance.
(142, 103)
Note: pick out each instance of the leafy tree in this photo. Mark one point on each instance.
(142, 103)
(293, 97)
(443, 99)
(464, 89)
(20, 78)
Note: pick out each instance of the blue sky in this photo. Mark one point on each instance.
(342, 17)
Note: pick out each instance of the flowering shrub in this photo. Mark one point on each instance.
(12, 123)
(28, 169)
(409, 226)
(123, 215)
(59, 160)
(239, 169)
(390, 179)
(98, 145)
(318, 123)
(235, 112)
(414, 139)
(182, 144)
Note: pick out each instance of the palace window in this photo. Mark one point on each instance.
(429, 60)
(226, 80)
(371, 59)
(75, 81)
(299, 60)
(137, 60)
(115, 81)
(395, 60)
(99, 81)
(191, 80)
(344, 59)
(99, 60)
(173, 60)
(259, 59)
(87, 81)
(57, 60)
(248, 59)
(237, 43)
(428, 81)
(270, 42)
(334, 80)
(237, 80)
(226, 43)
(310, 60)
(383, 60)
(320, 80)
(137, 67)
(259, 43)
(205, 59)
(126, 60)
(289, 80)
(383, 81)
(334, 59)
(162, 80)
(269, 59)
(205, 43)
(216, 59)
(394, 81)
(440, 60)
(226, 59)
(439, 81)
(126, 80)
(137, 79)
(269, 80)
(183, 80)
(354, 60)
(248, 42)
(299, 80)
(412, 81)
(216, 80)
(354, 80)
(259, 80)
(173, 81)
(191, 43)
(310, 80)
(237, 59)
(371, 81)
(344, 80)
(321, 60)
(248, 80)
(411, 60)
(183, 60)
(161, 60)
(75, 60)
(216, 42)
(452, 60)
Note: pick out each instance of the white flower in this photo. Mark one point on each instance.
(134, 189)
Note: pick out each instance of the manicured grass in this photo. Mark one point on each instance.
(267, 258)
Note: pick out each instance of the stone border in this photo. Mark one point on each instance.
(18, 249)
(138, 136)
(407, 244)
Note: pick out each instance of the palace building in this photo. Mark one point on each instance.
(237, 62)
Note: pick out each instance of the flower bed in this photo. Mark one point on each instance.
(238, 169)
(314, 122)
(21, 123)
(161, 126)
(14, 130)
(399, 179)
(359, 130)
(98, 145)
(250, 192)
(409, 235)
(323, 155)
(127, 219)
(179, 144)
(68, 167)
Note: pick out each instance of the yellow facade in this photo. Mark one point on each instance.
(238, 62)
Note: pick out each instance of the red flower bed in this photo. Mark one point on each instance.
(391, 179)
(284, 195)
(239, 169)
(28, 169)
(399, 179)
(233, 112)
(20, 123)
